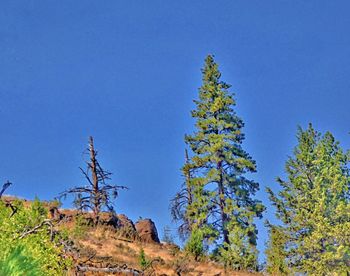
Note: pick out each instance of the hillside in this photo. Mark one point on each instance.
(118, 243)
(110, 250)
(118, 246)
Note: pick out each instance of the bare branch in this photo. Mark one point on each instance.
(4, 187)
(109, 269)
(98, 194)
(86, 176)
(37, 227)
(13, 208)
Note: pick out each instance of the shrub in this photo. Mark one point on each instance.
(80, 227)
(36, 250)
(143, 262)
(194, 245)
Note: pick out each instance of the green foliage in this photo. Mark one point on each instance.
(276, 252)
(18, 263)
(144, 263)
(36, 251)
(314, 207)
(240, 252)
(37, 211)
(80, 227)
(194, 245)
(219, 197)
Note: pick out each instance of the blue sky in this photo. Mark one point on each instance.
(126, 72)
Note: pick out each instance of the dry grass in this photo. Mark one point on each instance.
(107, 245)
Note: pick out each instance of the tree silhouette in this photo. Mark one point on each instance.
(97, 194)
(182, 200)
(218, 201)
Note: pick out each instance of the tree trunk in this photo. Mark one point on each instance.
(222, 204)
(188, 189)
(96, 200)
(188, 178)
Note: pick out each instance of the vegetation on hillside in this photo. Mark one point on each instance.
(28, 243)
(314, 208)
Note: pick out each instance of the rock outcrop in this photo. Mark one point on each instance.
(147, 231)
(126, 227)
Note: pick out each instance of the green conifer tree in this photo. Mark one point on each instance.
(314, 206)
(222, 205)
(276, 252)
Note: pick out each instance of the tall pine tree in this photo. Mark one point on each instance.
(314, 207)
(222, 203)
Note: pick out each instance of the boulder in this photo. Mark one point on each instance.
(122, 225)
(125, 222)
(126, 227)
(147, 231)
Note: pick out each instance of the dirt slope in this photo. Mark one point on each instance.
(109, 249)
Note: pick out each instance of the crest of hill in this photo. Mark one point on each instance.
(118, 243)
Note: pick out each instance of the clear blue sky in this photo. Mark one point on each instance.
(126, 72)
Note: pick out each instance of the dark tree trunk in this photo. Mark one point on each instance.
(93, 166)
(222, 204)
(189, 190)
(188, 178)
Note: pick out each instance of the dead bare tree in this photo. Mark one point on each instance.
(97, 194)
(182, 199)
